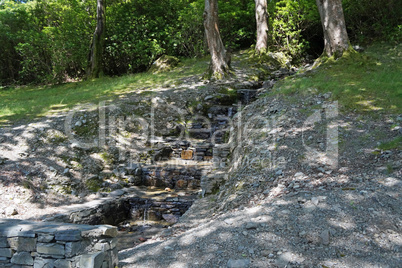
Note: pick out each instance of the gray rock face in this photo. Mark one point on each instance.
(43, 263)
(22, 243)
(22, 258)
(46, 245)
(6, 252)
(92, 260)
(50, 249)
(68, 235)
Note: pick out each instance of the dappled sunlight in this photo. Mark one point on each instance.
(369, 105)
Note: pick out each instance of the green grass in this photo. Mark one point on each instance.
(394, 144)
(28, 102)
(365, 82)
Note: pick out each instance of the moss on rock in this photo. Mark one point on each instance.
(164, 63)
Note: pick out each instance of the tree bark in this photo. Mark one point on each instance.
(261, 17)
(220, 59)
(336, 39)
(95, 67)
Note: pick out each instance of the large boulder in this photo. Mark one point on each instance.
(164, 63)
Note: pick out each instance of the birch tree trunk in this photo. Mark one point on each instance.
(95, 67)
(261, 17)
(220, 59)
(336, 39)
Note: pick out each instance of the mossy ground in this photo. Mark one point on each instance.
(361, 82)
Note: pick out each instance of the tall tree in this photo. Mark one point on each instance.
(336, 39)
(220, 59)
(261, 17)
(95, 67)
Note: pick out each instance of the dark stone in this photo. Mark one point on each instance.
(68, 235)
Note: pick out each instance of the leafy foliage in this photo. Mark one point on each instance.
(48, 41)
(288, 20)
(367, 20)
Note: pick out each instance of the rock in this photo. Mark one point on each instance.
(136, 180)
(251, 225)
(78, 123)
(11, 211)
(68, 235)
(279, 172)
(22, 258)
(50, 249)
(238, 263)
(229, 221)
(181, 184)
(268, 84)
(164, 63)
(315, 201)
(325, 237)
(60, 263)
(6, 252)
(170, 218)
(92, 260)
(299, 174)
(22, 243)
(44, 263)
(358, 48)
(73, 248)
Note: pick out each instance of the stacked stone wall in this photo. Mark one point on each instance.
(44, 244)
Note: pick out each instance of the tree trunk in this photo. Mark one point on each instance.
(336, 39)
(261, 17)
(220, 59)
(95, 67)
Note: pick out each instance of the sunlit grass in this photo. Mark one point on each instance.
(29, 102)
(366, 82)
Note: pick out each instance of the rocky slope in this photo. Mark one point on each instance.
(296, 182)
(291, 199)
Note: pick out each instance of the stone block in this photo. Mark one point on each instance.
(68, 235)
(73, 248)
(27, 244)
(19, 233)
(101, 230)
(114, 256)
(102, 246)
(4, 260)
(61, 263)
(50, 249)
(94, 260)
(6, 252)
(22, 258)
(113, 243)
(3, 242)
(44, 263)
(45, 238)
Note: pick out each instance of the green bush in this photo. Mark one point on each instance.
(367, 20)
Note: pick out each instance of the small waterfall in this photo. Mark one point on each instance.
(230, 112)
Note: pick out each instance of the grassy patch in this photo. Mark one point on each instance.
(28, 102)
(366, 82)
(394, 144)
